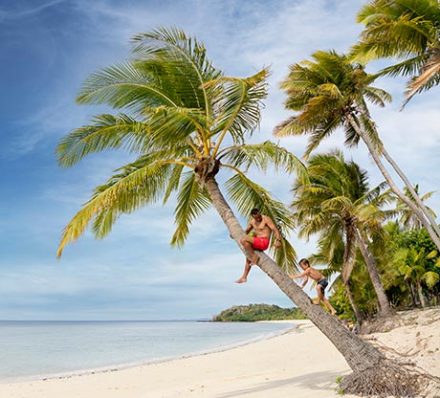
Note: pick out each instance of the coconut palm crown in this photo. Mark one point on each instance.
(408, 30)
(338, 202)
(326, 91)
(179, 112)
(331, 91)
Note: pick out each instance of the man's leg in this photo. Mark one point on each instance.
(247, 244)
(247, 269)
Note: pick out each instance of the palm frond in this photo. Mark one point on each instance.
(106, 132)
(173, 182)
(192, 201)
(135, 185)
(238, 105)
(262, 156)
(180, 53)
(125, 86)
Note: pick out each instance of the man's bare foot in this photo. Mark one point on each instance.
(241, 280)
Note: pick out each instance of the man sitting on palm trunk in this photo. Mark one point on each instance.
(262, 227)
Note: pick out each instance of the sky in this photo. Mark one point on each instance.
(47, 50)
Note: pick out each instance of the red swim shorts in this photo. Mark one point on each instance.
(260, 243)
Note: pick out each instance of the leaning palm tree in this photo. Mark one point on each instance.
(337, 256)
(406, 29)
(181, 113)
(407, 218)
(330, 92)
(336, 201)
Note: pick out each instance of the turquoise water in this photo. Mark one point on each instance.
(37, 349)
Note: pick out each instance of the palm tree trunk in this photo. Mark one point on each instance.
(421, 295)
(413, 296)
(390, 181)
(359, 354)
(347, 268)
(411, 189)
(384, 305)
(373, 373)
(356, 311)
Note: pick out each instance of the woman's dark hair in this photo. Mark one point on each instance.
(304, 261)
(255, 211)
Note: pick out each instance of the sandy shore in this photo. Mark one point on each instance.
(300, 363)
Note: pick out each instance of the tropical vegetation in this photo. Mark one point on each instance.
(337, 204)
(258, 312)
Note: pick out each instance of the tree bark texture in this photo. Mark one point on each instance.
(384, 305)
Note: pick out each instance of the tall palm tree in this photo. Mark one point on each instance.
(407, 218)
(406, 29)
(337, 200)
(338, 256)
(182, 112)
(330, 92)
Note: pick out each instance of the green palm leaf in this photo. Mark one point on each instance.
(192, 201)
(135, 185)
(106, 132)
(238, 108)
(262, 156)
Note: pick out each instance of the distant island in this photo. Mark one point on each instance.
(258, 312)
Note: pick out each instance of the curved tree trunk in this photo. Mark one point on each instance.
(391, 183)
(413, 295)
(411, 189)
(359, 354)
(384, 305)
(357, 312)
(347, 268)
(421, 295)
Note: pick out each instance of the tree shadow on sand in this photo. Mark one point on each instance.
(315, 381)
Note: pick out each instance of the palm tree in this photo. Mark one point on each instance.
(182, 112)
(406, 29)
(331, 92)
(338, 201)
(412, 264)
(333, 252)
(407, 218)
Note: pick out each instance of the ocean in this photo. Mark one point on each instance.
(36, 349)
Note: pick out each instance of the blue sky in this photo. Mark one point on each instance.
(47, 50)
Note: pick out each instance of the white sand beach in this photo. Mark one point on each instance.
(298, 363)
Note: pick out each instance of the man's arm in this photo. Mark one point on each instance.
(249, 228)
(275, 230)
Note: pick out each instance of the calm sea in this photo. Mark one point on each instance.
(37, 349)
